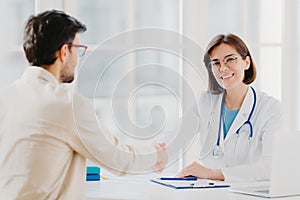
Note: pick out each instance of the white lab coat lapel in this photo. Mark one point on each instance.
(211, 132)
(242, 115)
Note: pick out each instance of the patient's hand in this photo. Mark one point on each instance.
(198, 170)
(162, 157)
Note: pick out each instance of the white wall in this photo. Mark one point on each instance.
(291, 64)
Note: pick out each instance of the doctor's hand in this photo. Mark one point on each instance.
(162, 157)
(199, 171)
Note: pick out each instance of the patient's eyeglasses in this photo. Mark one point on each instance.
(81, 48)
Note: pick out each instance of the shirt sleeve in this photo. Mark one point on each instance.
(93, 141)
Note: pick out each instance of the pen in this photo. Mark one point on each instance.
(188, 178)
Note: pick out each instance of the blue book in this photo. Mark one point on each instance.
(93, 177)
(92, 170)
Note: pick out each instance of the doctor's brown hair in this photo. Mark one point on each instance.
(238, 44)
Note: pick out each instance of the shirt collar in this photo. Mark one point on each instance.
(39, 73)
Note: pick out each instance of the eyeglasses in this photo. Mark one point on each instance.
(81, 48)
(229, 61)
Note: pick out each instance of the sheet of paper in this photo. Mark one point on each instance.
(182, 184)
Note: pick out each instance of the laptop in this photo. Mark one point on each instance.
(285, 175)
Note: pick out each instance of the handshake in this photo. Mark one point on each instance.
(162, 158)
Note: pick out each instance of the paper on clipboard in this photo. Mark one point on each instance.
(198, 184)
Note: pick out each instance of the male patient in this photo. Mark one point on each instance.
(47, 131)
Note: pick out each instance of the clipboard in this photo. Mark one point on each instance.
(190, 184)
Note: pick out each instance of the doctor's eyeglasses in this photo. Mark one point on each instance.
(229, 61)
(81, 48)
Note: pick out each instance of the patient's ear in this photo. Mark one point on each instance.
(63, 53)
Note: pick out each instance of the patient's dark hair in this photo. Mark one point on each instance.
(46, 33)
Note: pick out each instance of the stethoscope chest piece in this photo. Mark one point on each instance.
(217, 152)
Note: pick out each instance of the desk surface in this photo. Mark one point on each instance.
(140, 188)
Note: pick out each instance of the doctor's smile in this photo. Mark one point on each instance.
(226, 76)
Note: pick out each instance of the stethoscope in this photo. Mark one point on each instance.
(217, 151)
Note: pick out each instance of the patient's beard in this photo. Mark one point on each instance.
(67, 78)
(66, 75)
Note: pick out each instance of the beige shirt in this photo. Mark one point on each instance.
(46, 134)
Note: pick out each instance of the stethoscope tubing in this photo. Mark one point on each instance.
(245, 123)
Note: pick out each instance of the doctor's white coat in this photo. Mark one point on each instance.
(243, 160)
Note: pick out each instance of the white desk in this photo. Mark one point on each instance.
(140, 188)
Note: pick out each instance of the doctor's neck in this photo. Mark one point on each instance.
(235, 97)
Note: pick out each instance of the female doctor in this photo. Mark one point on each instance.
(237, 122)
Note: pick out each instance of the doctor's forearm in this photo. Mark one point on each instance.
(217, 175)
